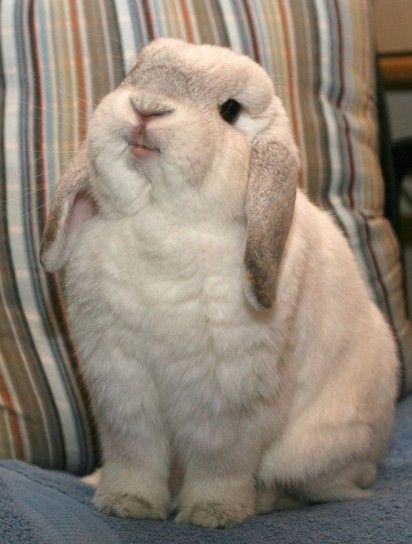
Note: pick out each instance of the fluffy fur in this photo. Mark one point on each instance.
(168, 265)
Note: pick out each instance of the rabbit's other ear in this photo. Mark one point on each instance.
(270, 204)
(72, 205)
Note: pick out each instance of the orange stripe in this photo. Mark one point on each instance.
(149, 19)
(7, 403)
(186, 19)
(291, 83)
(81, 93)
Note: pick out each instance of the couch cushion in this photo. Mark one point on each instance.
(58, 59)
(43, 507)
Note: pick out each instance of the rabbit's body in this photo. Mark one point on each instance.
(178, 223)
(167, 328)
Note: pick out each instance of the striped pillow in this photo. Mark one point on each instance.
(57, 60)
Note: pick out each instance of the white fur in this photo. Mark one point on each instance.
(299, 398)
(173, 353)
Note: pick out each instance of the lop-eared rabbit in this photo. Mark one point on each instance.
(220, 317)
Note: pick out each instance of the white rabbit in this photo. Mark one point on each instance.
(220, 316)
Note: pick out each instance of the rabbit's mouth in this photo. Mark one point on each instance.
(139, 146)
(142, 151)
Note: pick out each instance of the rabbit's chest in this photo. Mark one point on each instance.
(177, 291)
(177, 305)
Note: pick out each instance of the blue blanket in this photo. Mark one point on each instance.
(45, 507)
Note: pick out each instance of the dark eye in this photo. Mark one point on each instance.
(230, 110)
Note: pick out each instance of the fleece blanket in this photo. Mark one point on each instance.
(45, 507)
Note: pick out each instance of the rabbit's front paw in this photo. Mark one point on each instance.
(214, 514)
(126, 505)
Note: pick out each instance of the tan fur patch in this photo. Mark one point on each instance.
(270, 204)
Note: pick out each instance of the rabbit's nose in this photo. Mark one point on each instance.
(146, 113)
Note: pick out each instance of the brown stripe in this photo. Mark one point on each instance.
(313, 122)
(116, 52)
(81, 93)
(95, 43)
(149, 19)
(203, 21)
(7, 404)
(290, 63)
(6, 442)
(186, 20)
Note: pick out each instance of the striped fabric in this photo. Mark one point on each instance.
(58, 58)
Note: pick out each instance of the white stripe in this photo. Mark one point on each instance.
(126, 34)
(144, 26)
(51, 160)
(110, 62)
(334, 147)
(325, 69)
(231, 19)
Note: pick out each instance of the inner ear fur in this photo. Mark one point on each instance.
(269, 206)
(72, 205)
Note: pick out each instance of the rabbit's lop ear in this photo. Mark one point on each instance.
(71, 207)
(270, 203)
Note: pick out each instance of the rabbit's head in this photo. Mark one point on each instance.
(198, 130)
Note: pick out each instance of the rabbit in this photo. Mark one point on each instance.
(221, 319)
